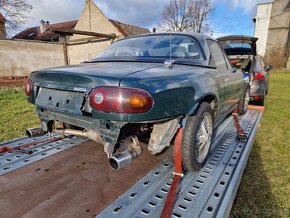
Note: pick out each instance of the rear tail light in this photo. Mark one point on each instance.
(257, 97)
(121, 100)
(259, 76)
(28, 87)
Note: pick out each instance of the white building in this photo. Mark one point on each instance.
(272, 26)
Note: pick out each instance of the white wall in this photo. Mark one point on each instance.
(262, 25)
(21, 57)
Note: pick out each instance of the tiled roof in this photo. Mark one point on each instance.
(2, 18)
(287, 8)
(129, 30)
(34, 33)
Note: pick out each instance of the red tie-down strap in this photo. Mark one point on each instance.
(240, 132)
(19, 148)
(170, 199)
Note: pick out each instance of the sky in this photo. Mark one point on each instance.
(228, 17)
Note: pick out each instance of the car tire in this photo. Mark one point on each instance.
(189, 151)
(193, 135)
(244, 102)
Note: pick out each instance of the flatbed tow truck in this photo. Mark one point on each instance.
(45, 182)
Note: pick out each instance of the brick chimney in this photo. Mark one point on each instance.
(42, 26)
(2, 27)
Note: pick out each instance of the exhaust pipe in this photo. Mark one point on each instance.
(117, 161)
(71, 132)
(34, 132)
(88, 133)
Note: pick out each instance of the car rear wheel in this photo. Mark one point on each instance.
(243, 104)
(196, 139)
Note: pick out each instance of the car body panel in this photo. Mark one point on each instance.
(258, 88)
(163, 83)
(177, 89)
(90, 74)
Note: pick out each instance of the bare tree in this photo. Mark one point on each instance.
(15, 12)
(186, 15)
(175, 16)
(199, 11)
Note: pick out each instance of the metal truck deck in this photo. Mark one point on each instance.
(78, 182)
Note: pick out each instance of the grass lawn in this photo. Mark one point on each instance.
(15, 115)
(265, 186)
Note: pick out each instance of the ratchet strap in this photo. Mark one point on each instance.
(20, 147)
(240, 132)
(170, 199)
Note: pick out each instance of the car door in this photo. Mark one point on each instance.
(232, 78)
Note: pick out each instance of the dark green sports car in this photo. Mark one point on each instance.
(143, 88)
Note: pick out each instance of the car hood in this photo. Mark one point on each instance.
(89, 75)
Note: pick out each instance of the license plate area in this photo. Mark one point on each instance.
(64, 101)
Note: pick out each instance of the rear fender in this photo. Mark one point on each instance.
(209, 98)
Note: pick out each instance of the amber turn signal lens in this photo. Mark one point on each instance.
(137, 101)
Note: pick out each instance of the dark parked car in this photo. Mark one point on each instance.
(242, 53)
(142, 89)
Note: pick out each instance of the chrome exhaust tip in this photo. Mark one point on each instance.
(34, 132)
(123, 159)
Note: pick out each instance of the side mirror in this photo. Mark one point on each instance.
(234, 70)
(268, 68)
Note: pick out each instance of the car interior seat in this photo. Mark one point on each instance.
(193, 51)
(180, 52)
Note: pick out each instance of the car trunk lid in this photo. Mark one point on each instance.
(239, 45)
(87, 76)
(65, 89)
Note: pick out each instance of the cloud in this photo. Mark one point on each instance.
(248, 6)
(137, 12)
(230, 16)
(55, 11)
(234, 16)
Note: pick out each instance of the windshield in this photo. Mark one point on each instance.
(153, 47)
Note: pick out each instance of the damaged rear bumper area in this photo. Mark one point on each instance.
(120, 139)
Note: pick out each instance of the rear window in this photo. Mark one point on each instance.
(154, 46)
(237, 48)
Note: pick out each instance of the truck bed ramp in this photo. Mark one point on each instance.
(207, 193)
